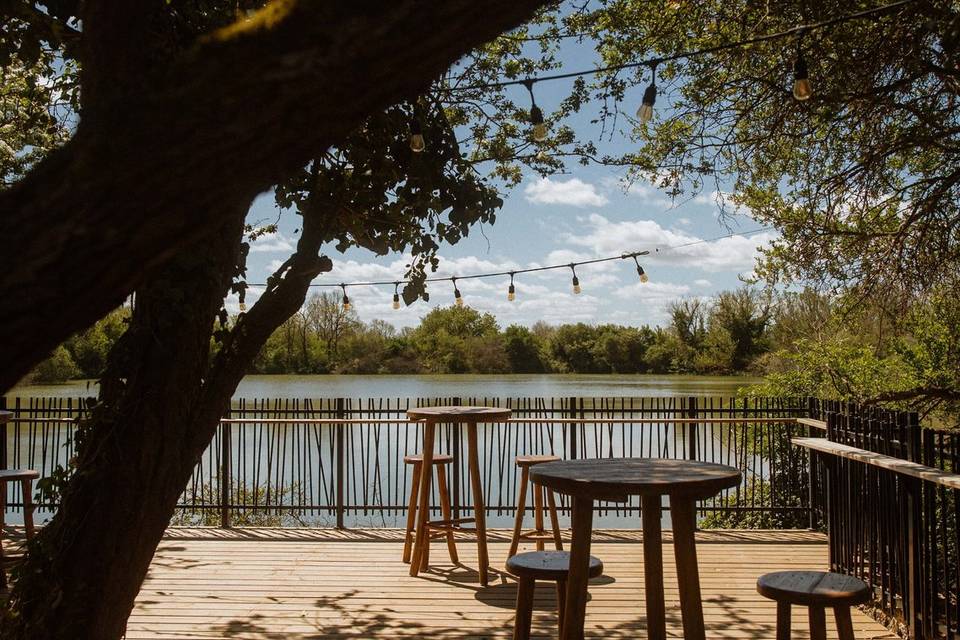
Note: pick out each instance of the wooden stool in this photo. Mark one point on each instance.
(25, 477)
(440, 460)
(541, 565)
(537, 533)
(815, 590)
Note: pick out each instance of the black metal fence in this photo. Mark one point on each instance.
(898, 533)
(339, 462)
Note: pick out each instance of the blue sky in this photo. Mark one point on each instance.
(585, 213)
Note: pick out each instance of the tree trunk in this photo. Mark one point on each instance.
(135, 456)
(152, 162)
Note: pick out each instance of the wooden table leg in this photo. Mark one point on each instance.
(653, 567)
(421, 541)
(538, 515)
(479, 505)
(554, 520)
(576, 601)
(683, 514)
(28, 507)
(783, 621)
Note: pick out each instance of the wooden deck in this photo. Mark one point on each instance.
(290, 584)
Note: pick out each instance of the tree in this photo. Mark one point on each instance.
(165, 389)
(523, 350)
(161, 157)
(453, 339)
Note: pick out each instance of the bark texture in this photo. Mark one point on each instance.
(157, 156)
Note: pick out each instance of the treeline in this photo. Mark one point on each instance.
(723, 336)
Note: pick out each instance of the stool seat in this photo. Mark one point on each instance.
(18, 474)
(814, 588)
(529, 461)
(438, 458)
(547, 565)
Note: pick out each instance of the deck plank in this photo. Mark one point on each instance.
(272, 584)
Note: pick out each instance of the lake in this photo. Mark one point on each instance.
(466, 385)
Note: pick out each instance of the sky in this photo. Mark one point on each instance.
(588, 212)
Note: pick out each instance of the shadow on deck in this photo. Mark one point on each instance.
(289, 584)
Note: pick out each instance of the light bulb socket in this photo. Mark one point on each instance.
(650, 95)
(536, 115)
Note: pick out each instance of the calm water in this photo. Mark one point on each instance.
(417, 386)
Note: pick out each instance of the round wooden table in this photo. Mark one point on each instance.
(616, 479)
(469, 416)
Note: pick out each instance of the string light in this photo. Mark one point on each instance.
(576, 280)
(511, 290)
(396, 295)
(540, 130)
(457, 298)
(512, 273)
(417, 143)
(645, 112)
(801, 77)
(644, 278)
(346, 300)
(690, 54)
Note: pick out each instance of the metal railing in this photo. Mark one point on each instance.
(340, 461)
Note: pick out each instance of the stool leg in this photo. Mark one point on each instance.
(818, 624)
(521, 505)
(445, 511)
(538, 514)
(28, 507)
(411, 512)
(561, 605)
(783, 621)
(521, 627)
(554, 520)
(844, 623)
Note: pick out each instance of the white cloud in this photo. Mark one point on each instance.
(272, 243)
(669, 246)
(702, 283)
(573, 192)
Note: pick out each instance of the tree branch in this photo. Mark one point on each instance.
(147, 170)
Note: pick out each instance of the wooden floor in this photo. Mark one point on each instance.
(313, 584)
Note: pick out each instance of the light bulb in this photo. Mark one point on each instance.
(458, 299)
(540, 132)
(801, 79)
(576, 284)
(346, 304)
(643, 274)
(540, 129)
(511, 293)
(645, 112)
(243, 306)
(417, 143)
(396, 301)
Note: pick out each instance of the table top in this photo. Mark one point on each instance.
(6, 416)
(18, 474)
(617, 478)
(459, 414)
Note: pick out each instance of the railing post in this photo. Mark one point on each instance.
(341, 414)
(573, 429)
(914, 525)
(457, 458)
(3, 435)
(225, 472)
(691, 428)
